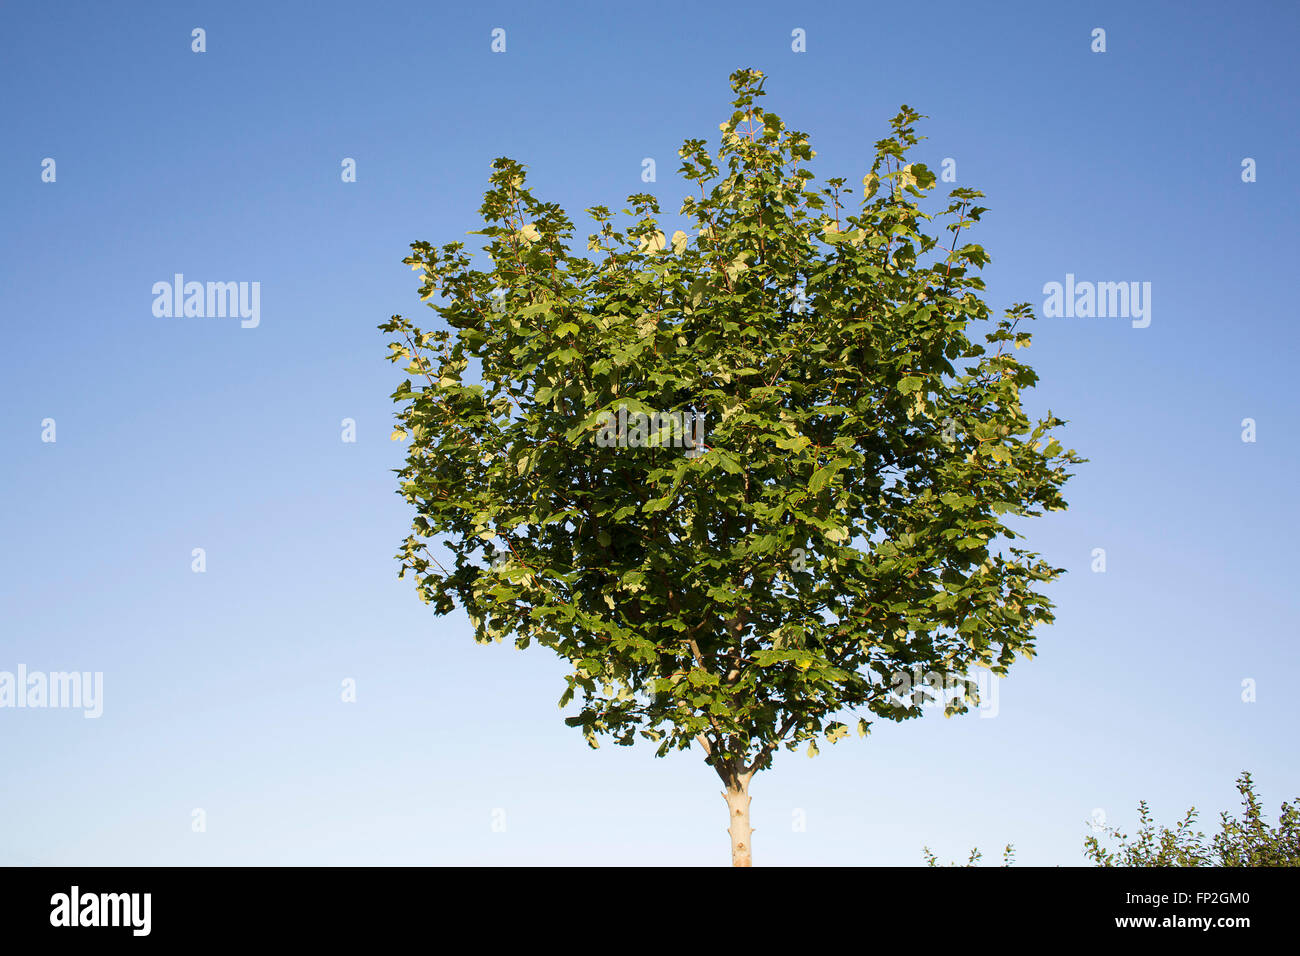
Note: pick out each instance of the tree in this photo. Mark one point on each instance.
(1246, 842)
(749, 481)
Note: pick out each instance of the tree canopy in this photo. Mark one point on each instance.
(847, 516)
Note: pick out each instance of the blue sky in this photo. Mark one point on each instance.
(222, 689)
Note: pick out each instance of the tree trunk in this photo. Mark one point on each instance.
(737, 797)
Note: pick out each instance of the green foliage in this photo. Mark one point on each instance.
(1008, 857)
(1245, 842)
(848, 516)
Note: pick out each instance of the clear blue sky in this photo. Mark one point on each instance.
(222, 689)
